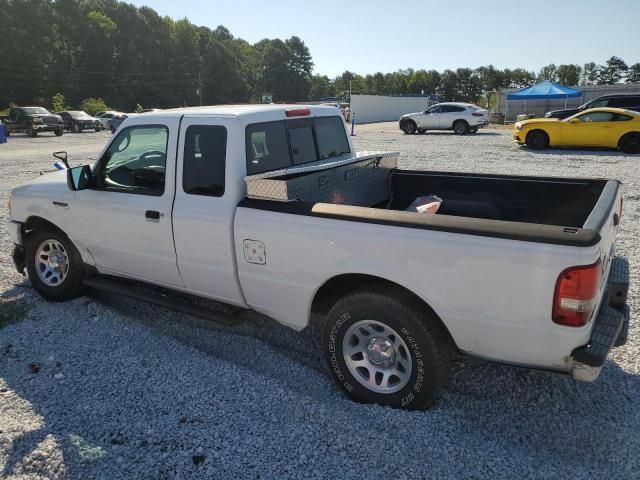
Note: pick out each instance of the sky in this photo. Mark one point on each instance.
(375, 35)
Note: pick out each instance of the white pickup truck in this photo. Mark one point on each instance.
(514, 269)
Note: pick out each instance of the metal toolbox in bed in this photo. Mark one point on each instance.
(361, 180)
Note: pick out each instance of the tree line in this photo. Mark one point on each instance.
(132, 56)
(83, 51)
(469, 85)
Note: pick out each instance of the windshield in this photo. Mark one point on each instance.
(79, 114)
(35, 110)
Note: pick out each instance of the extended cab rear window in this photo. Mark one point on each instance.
(283, 143)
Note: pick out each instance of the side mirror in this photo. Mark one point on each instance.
(78, 178)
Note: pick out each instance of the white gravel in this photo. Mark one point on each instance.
(128, 390)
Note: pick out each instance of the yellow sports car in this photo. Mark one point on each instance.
(596, 127)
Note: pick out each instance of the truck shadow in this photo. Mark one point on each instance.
(489, 414)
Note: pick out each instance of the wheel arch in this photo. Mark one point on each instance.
(538, 129)
(35, 222)
(625, 134)
(341, 285)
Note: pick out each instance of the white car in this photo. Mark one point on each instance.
(104, 117)
(269, 208)
(460, 117)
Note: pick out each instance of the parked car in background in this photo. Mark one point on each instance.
(597, 127)
(628, 102)
(104, 117)
(460, 117)
(32, 120)
(114, 122)
(76, 121)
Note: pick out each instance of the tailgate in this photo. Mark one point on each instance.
(605, 220)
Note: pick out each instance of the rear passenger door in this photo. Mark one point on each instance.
(211, 160)
(449, 115)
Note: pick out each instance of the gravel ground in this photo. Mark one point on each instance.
(128, 390)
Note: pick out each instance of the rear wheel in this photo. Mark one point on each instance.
(460, 127)
(630, 142)
(32, 132)
(537, 140)
(409, 127)
(383, 347)
(76, 128)
(54, 265)
(59, 132)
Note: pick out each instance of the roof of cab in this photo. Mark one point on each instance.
(240, 110)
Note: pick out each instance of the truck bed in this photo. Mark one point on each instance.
(551, 210)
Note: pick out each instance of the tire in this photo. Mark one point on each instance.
(630, 142)
(113, 130)
(420, 349)
(460, 127)
(537, 140)
(409, 127)
(76, 128)
(59, 132)
(473, 130)
(31, 132)
(64, 282)
(97, 129)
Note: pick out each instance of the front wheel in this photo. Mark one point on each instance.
(537, 140)
(409, 127)
(76, 128)
(54, 265)
(31, 132)
(383, 347)
(59, 132)
(630, 143)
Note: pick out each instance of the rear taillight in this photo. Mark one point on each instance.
(576, 294)
(477, 114)
(299, 112)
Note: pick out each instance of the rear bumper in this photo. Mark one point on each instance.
(610, 327)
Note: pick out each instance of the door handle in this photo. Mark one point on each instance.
(152, 214)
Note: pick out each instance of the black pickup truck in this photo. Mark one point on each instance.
(32, 120)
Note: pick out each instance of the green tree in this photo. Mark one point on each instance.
(612, 72)
(423, 81)
(548, 72)
(468, 86)
(633, 74)
(520, 78)
(58, 103)
(569, 74)
(491, 78)
(447, 89)
(321, 87)
(93, 105)
(590, 73)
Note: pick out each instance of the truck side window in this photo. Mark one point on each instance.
(135, 161)
(267, 147)
(203, 166)
(331, 137)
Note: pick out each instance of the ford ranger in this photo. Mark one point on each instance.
(268, 207)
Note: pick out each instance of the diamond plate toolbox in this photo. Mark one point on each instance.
(359, 180)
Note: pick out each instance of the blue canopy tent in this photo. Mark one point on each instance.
(542, 91)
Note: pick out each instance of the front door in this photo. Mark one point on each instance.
(429, 119)
(124, 220)
(591, 128)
